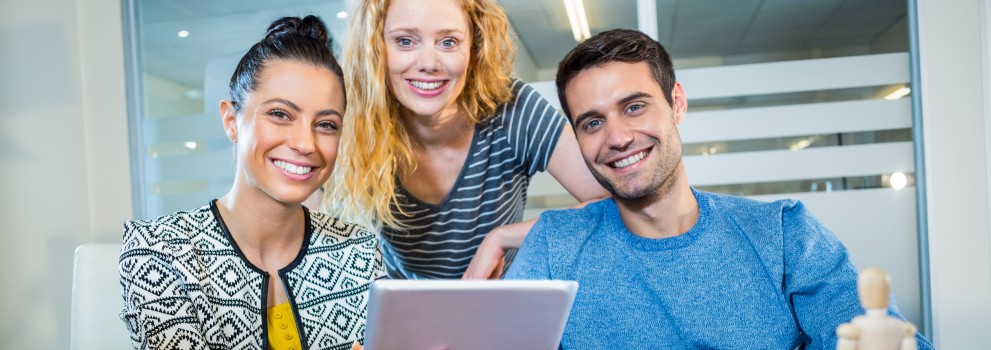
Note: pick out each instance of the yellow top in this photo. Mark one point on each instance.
(282, 333)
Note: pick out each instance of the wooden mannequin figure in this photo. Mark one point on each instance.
(875, 330)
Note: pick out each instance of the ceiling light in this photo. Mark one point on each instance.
(576, 16)
(342, 14)
(183, 33)
(898, 181)
(899, 93)
(190, 145)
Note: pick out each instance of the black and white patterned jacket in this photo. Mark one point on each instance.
(187, 285)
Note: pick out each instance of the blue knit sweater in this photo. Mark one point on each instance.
(748, 275)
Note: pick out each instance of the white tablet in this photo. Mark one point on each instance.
(476, 315)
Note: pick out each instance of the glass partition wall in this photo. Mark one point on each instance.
(185, 53)
(787, 99)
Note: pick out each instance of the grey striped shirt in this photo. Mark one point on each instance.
(490, 191)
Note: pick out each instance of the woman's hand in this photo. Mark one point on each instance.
(489, 261)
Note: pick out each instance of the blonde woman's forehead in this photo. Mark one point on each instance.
(426, 15)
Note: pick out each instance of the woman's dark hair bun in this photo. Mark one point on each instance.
(303, 40)
(309, 26)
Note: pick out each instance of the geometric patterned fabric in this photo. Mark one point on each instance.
(186, 285)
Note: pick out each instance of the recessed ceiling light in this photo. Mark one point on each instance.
(183, 33)
(342, 14)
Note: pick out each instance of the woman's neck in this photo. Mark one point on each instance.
(448, 128)
(263, 227)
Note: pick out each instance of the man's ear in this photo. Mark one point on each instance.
(229, 118)
(679, 102)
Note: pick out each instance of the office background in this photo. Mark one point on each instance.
(67, 159)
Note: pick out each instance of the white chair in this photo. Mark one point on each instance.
(96, 299)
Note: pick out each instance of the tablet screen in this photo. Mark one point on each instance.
(477, 315)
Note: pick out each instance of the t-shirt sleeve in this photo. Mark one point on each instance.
(532, 260)
(157, 311)
(534, 126)
(820, 279)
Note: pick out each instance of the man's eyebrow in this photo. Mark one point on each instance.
(632, 97)
(590, 114)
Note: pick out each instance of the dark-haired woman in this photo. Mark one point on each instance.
(255, 269)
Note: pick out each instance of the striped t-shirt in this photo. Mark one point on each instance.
(490, 191)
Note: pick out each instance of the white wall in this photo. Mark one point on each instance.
(954, 82)
(63, 156)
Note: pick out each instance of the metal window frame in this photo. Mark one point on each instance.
(922, 219)
(135, 104)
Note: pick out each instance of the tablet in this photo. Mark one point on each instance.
(476, 315)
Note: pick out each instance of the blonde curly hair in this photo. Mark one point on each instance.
(374, 143)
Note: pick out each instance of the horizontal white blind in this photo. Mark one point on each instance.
(810, 163)
(790, 120)
(795, 76)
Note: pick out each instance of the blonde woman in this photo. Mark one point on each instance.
(441, 142)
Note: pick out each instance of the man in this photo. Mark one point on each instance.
(662, 265)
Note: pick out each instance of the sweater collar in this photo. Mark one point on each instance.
(616, 227)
